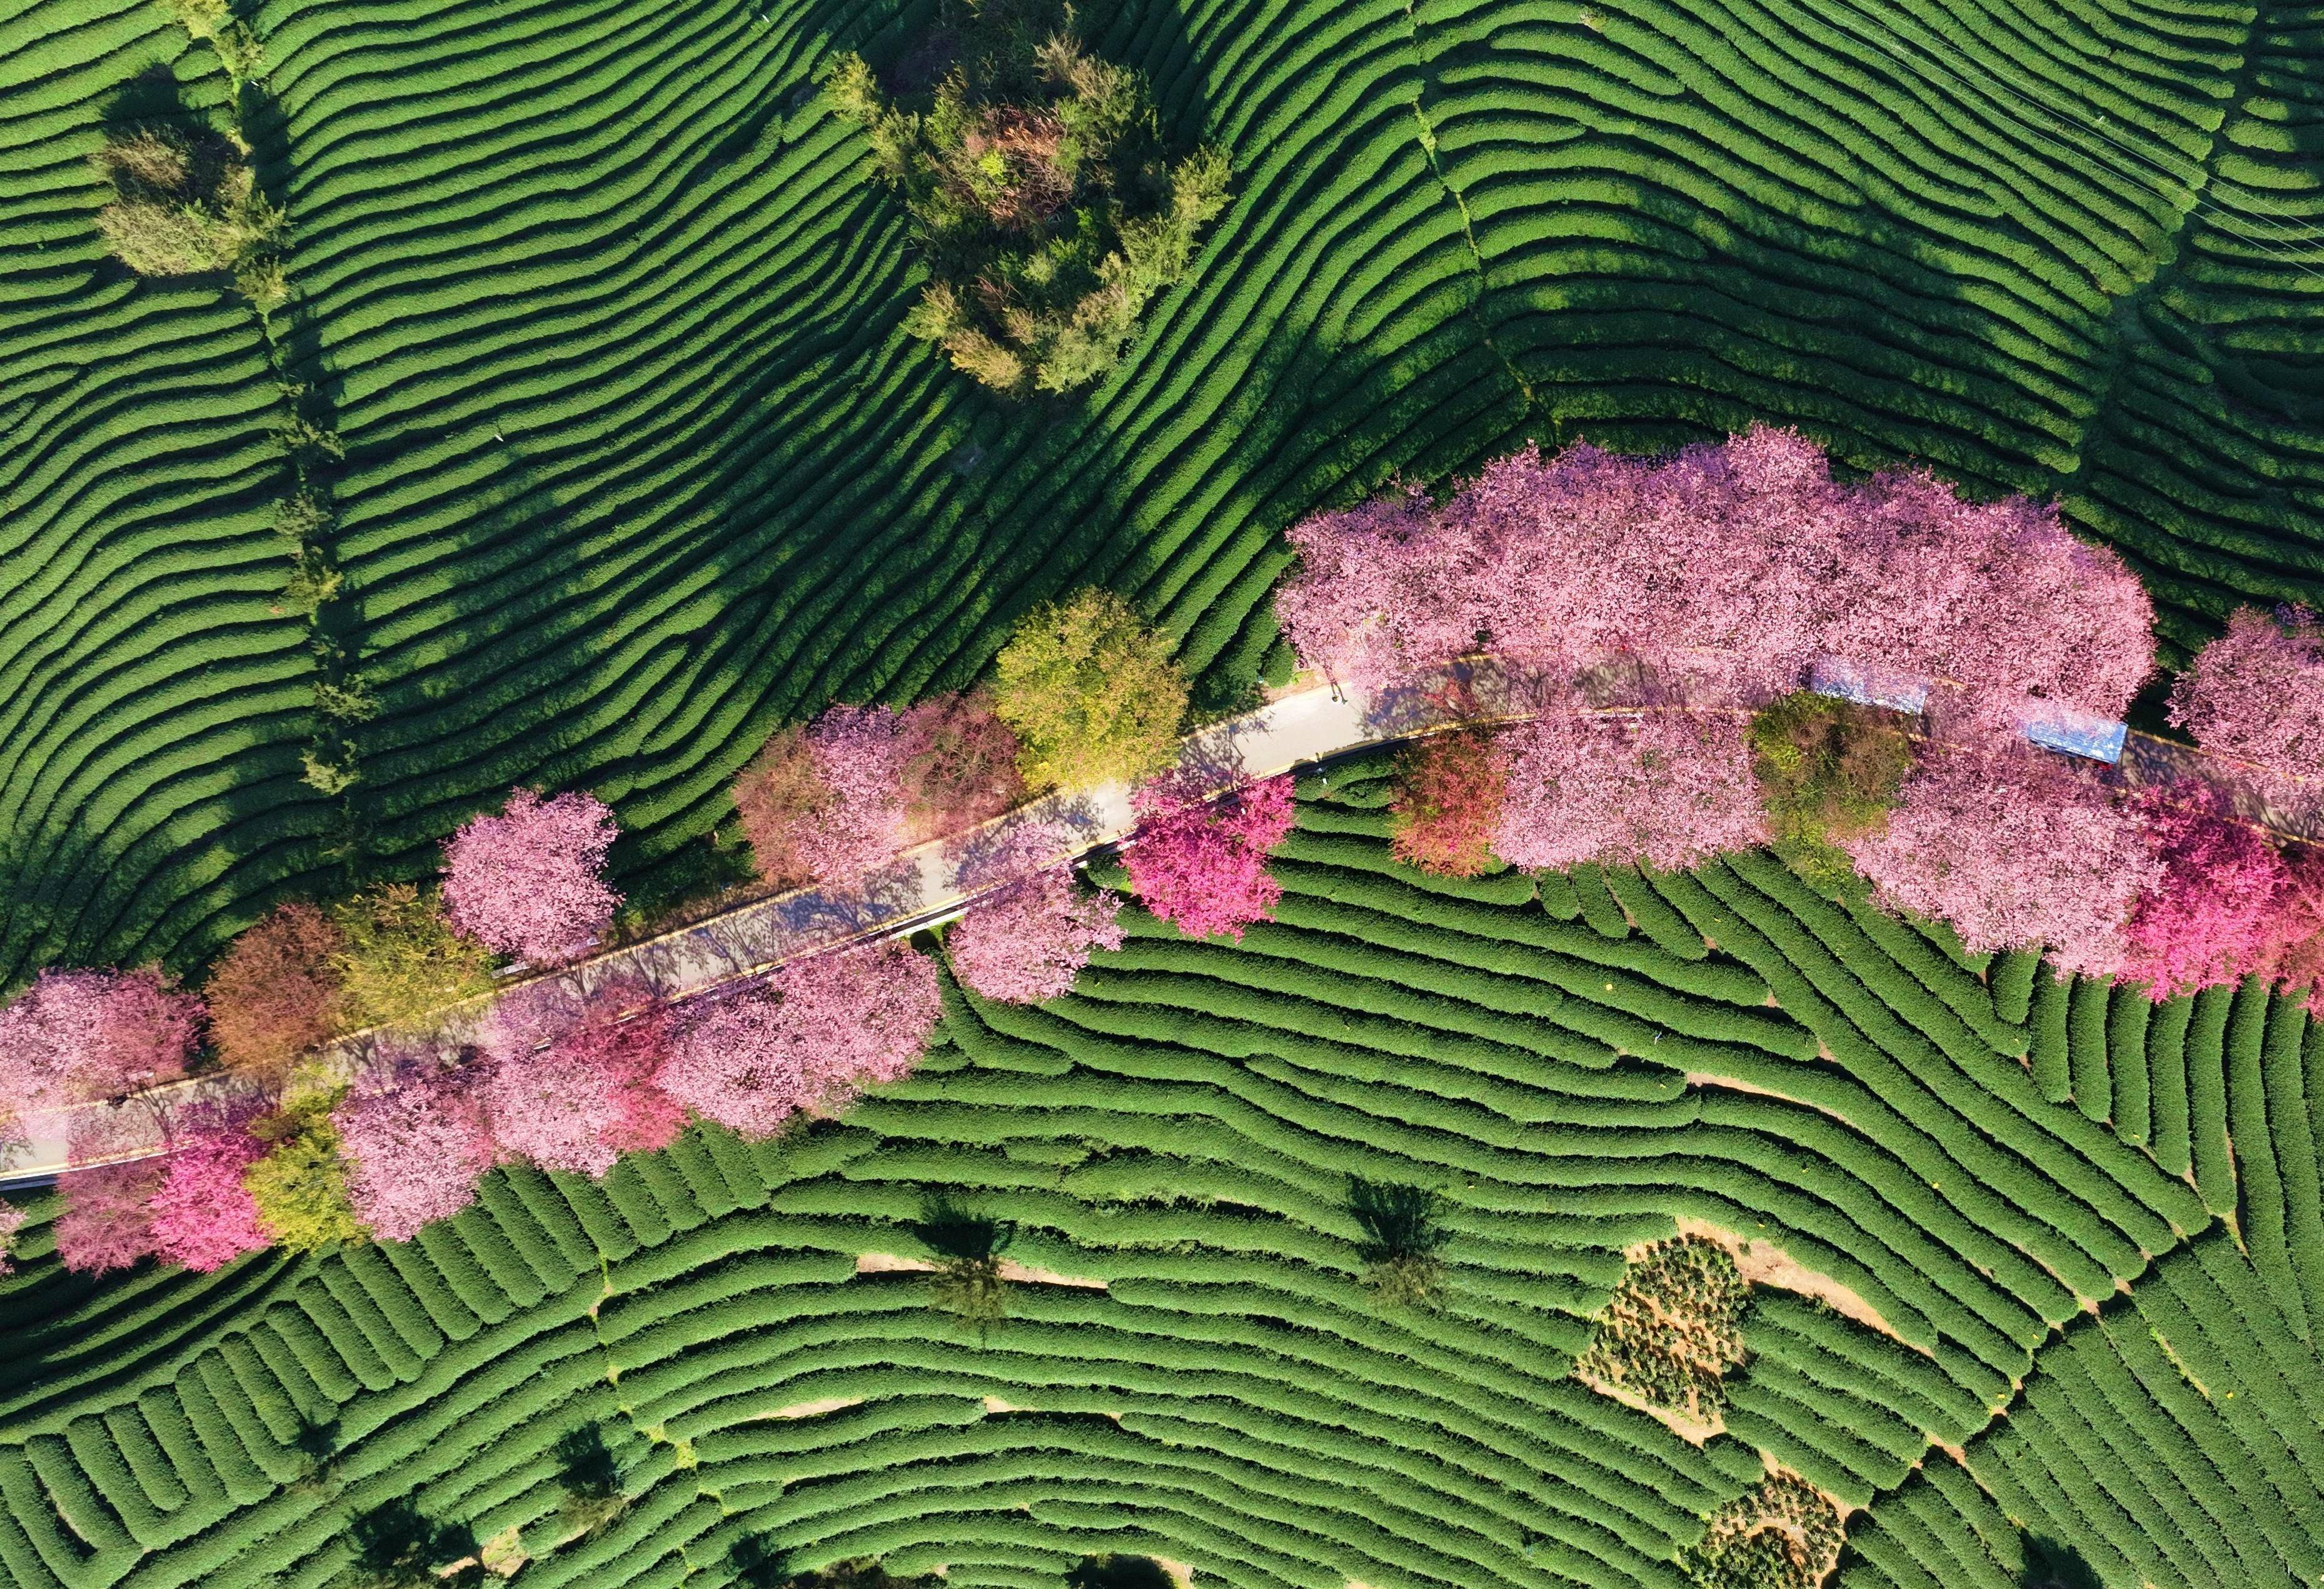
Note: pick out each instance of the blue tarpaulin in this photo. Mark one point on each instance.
(1868, 684)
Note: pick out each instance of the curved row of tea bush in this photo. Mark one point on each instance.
(640, 463)
(1190, 1364)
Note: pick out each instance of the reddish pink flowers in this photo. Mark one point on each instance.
(531, 882)
(819, 1029)
(1665, 787)
(570, 1084)
(1203, 863)
(201, 1215)
(2257, 694)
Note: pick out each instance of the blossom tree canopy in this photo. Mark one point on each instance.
(106, 1223)
(12, 1220)
(571, 1080)
(82, 1037)
(1025, 941)
(2016, 848)
(827, 804)
(2211, 917)
(530, 881)
(818, 1030)
(1448, 804)
(2257, 694)
(203, 1217)
(960, 764)
(1724, 568)
(1666, 789)
(1203, 863)
(277, 994)
(415, 1148)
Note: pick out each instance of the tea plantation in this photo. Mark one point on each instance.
(1191, 1367)
(602, 303)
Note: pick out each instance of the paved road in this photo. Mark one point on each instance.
(923, 887)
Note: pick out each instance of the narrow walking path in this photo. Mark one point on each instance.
(1296, 729)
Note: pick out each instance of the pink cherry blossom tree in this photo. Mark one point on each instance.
(2295, 933)
(106, 1221)
(86, 1036)
(1666, 787)
(2256, 696)
(860, 753)
(12, 1220)
(530, 881)
(1026, 941)
(815, 1034)
(1201, 863)
(202, 1217)
(417, 1142)
(2016, 848)
(570, 1083)
(2211, 917)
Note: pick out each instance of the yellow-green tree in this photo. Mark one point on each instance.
(300, 1185)
(400, 959)
(1091, 693)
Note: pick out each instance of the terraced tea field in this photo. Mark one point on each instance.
(1191, 1367)
(604, 304)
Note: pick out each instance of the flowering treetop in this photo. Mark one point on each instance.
(530, 881)
(1201, 862)
(79, 1036)
(1726, 567)
(2256, 693)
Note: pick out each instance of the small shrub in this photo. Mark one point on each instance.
(1780, 1534)
(1828, 770)
(1403, 1235)
(1673, 1329)
(1090, 692)
(397, 1547)
(591, 1483)
(1038, 185)
(968, 1247)
(185, 203)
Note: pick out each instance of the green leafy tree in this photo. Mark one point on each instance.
(1040, 188)
(967, 1245)
(185, 203)
(1828, 770)
(1404, 1234)
(592, 1481)
(400, 959)
(1091, 693)
(300, 1184)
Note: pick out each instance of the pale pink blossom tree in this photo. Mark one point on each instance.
(87, 1036)
(1666, 788)
(417, 1142)
(2211, 917)
(530, 881)
(12, 1220)
(1721, 570)
(570, 1079)
(203, 1217)
(2255, 695)
(1025, 941)
(861, 755)
(1202, 862)
(817, 1032)
(106, 1221)
(2016, 848)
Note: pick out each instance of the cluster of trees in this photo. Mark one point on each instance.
(570, 1078)
(1038, 189)
(1670, 608)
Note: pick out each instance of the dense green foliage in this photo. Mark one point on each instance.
(640, 463)
(1194, 1368)
(1037, 184)
(1673, 1329)
(1828, 770)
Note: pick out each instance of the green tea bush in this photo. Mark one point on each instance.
(1037, 182)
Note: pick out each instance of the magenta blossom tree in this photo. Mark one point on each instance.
(817, 1032)
(106, 1221)
(2016, 848)
(86, 1036)
(416, 1145)
(2255, 697)
(2211, 917)
(571, 1079)
(202, 1217)
(530, 881)
(1666, 788)
(1026, 941)
(1201, 863)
